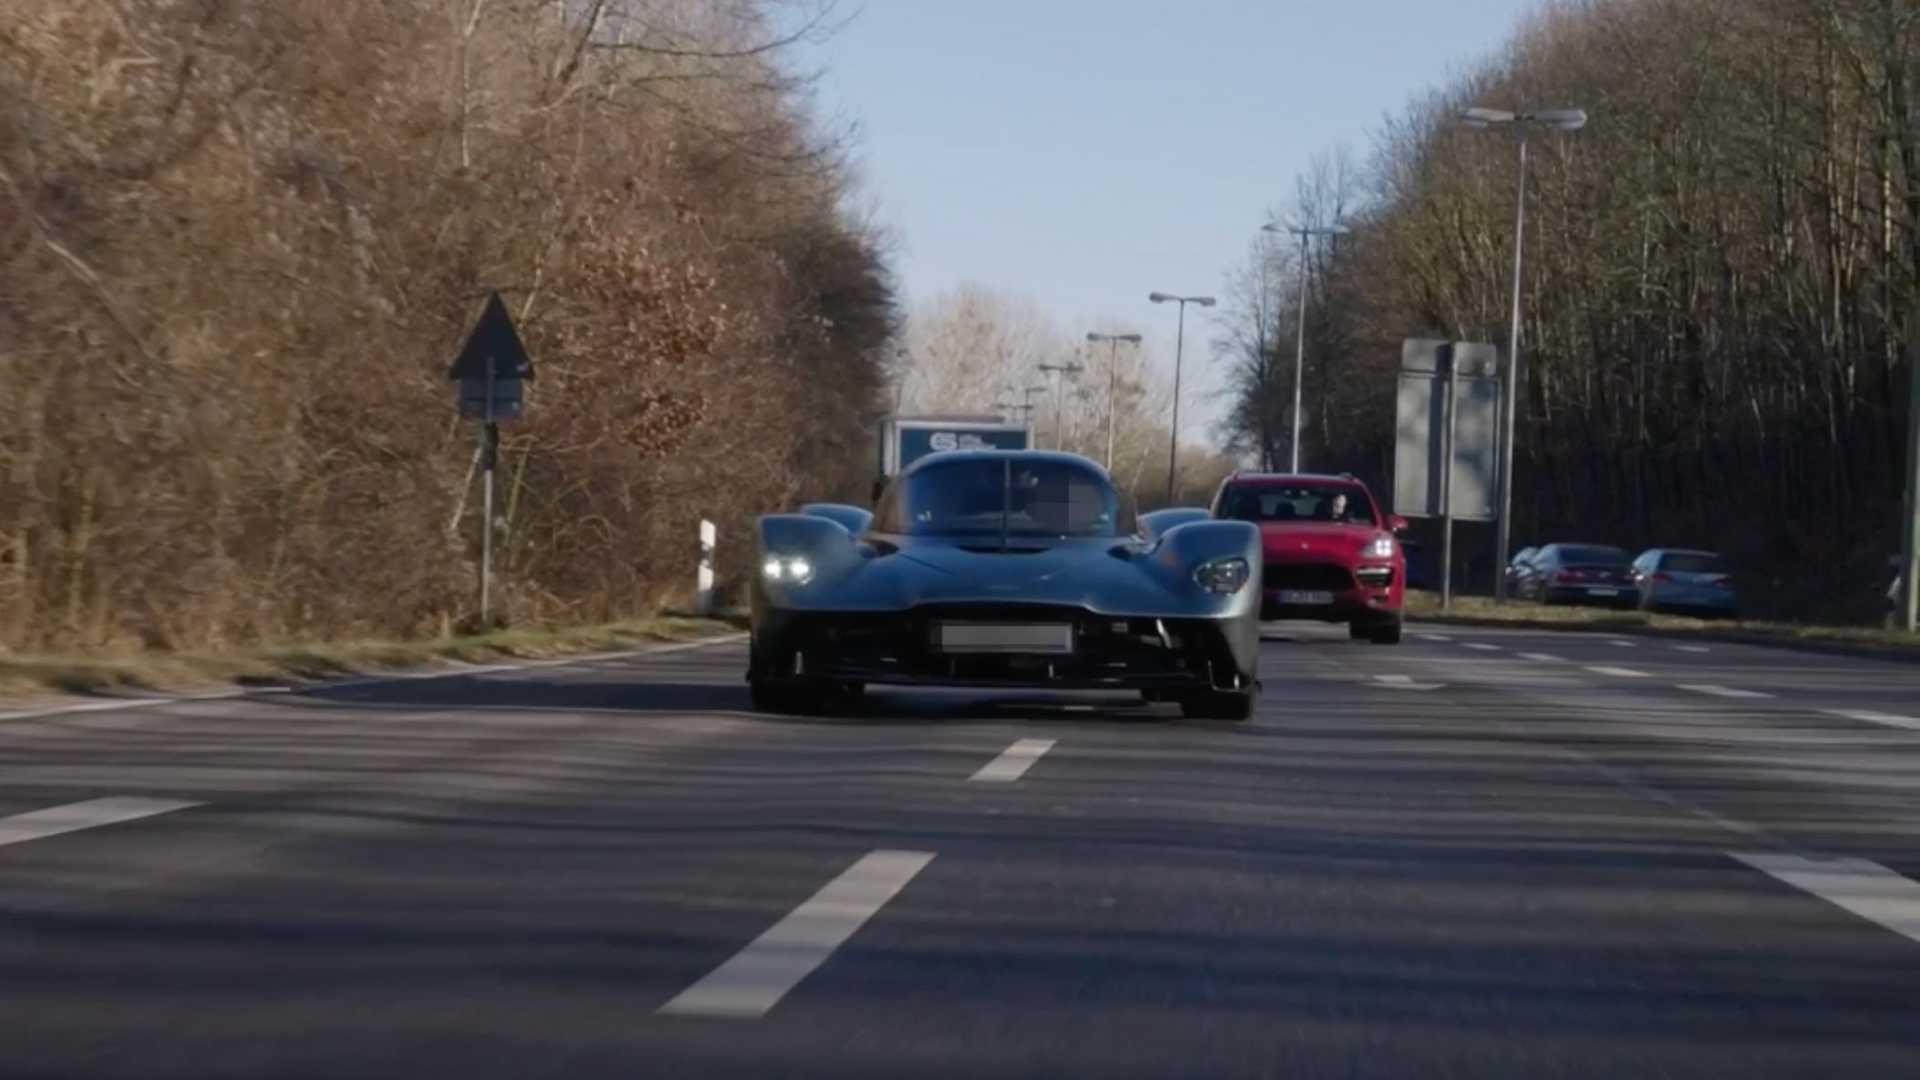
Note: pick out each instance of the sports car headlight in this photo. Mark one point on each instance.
(1222, 576)
(1381, 548)
(795, 570)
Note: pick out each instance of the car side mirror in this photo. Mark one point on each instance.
(1397, 523)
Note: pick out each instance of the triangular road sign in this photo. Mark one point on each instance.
(493, 336)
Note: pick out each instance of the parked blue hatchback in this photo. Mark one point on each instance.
(1684, 581)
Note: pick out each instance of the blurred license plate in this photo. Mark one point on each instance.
(973, 637)
(1603, 592)
(1304, 598)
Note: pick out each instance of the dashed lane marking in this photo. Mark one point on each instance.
(1014, 761)
(1618, 672)
(1544, 658)
(1405, 682)
(73, 817)
(1861, 886)
(1483, 646)
(758, 976)
(1868, 716)
(1723, 691)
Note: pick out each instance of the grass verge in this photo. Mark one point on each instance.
(293, 664)
(1479, 610)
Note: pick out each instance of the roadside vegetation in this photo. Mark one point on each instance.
(1482, 610)
(187, 671)
(1719, 279)
(241, 242)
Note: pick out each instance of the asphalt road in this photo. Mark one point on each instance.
(1479, 854)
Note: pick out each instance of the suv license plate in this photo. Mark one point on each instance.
(1603, 592)
(1305, 599)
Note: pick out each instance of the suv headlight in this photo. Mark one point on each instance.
(1223, 577)
(794, 570)
(1381, 548)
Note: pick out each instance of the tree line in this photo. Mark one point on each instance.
(1721, 275)
(239, 244)
(978, 350)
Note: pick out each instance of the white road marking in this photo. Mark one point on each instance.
(1861, 886)
(1618, 672)
(1621, 644)
(1483, 646)
(1014, 761)
(1435, 637)
(1723, 691)
(758, 976)
(1544, 658)
(1691, 648)
(73, 817)
(1868, 716)
(1405, 682)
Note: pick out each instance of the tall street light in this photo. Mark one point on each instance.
(1059, 411)
(1521, 124)
(1113, 368)
(1179, 345)
(1300, 346)
(1026, 409)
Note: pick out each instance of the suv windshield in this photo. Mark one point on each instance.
(1298, 502)
(981, 496)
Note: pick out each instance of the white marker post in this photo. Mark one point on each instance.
(703, 578)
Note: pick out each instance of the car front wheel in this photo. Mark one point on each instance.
(1380, 632)
(1235, 705)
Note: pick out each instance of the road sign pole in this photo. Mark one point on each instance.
(489, 448)
(1446, 480)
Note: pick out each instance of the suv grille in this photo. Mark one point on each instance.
(1324, 577)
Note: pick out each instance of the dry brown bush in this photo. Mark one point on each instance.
(239, 244)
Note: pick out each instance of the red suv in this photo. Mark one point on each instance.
(1329, 553)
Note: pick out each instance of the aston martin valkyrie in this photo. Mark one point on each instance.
(1020, 569)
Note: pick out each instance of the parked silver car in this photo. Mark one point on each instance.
(1685, 581)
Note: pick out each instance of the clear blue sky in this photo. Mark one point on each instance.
(1087, 152)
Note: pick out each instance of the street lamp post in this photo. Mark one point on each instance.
(1179, 345)
(1521, 124)
(1300, 345)
(1026, 409)
(1113, 368)
(1059, 410)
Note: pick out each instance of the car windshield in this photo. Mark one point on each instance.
(1299, 502)
(1593, 556)
(984, 496)
(1693, 563)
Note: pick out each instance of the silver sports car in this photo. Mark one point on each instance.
(1006, 569)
